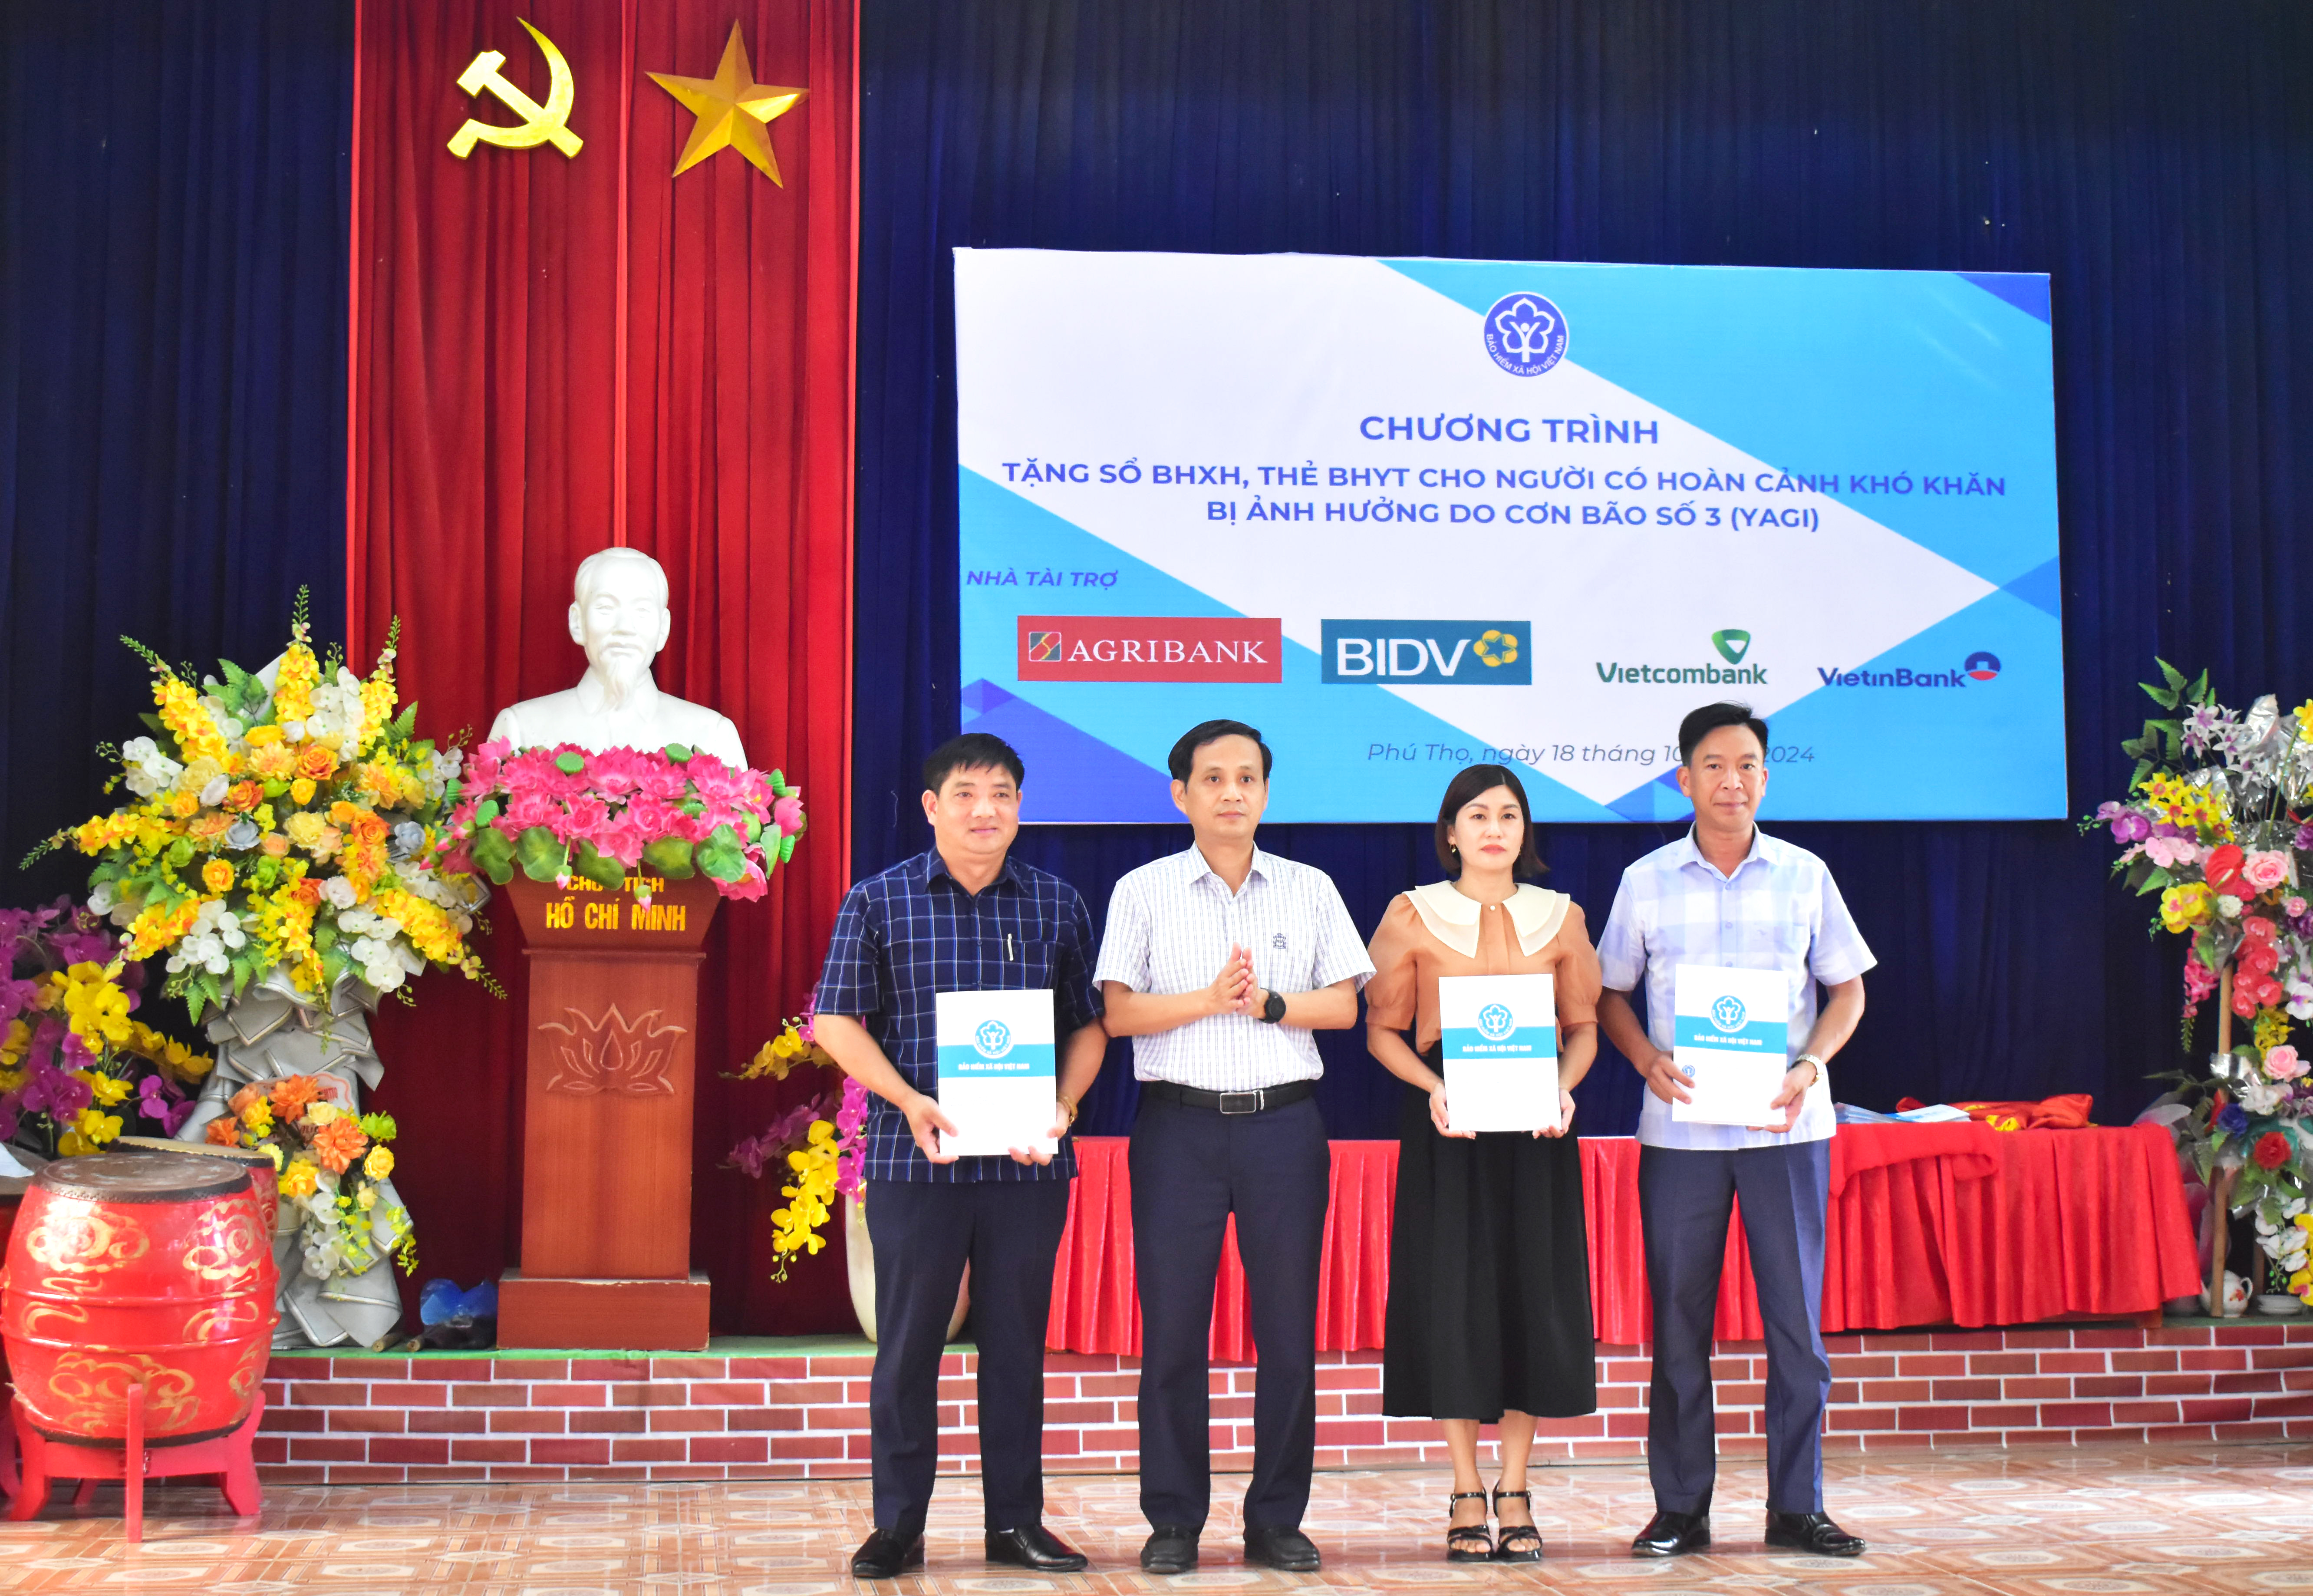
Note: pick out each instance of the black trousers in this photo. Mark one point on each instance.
(1191, 1169)
(1685, 1198)
(924, 1231)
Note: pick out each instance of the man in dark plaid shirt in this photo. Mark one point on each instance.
(963, 917)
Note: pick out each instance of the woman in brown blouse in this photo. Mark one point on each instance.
(1489, 1280)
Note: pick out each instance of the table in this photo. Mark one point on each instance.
(1928, 1225)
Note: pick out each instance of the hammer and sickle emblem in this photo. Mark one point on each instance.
(540, 124)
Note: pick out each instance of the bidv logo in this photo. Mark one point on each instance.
(1496, 1022)
(1438, 653)
(1526, 334)
(1728, 1014)
(992, 1039)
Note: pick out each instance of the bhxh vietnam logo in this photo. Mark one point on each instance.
(1728, 1014)
(1526, 334)
(992, 1039)
(1432, 652)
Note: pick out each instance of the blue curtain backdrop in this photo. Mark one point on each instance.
(172, 332)
(2155, 159)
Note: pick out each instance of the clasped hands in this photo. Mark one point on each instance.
(1667, 1082)
(1234, 990)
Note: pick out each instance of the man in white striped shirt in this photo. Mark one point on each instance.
(1221, 963)
(1729, 896)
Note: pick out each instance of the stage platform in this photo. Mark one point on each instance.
(764, 1408)
(2177, 1519)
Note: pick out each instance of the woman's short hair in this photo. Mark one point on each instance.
(1467, 785)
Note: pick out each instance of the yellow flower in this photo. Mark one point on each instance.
(300, 791)
(321, 1112)
(2305, 720)
(182, 712)
(368, 1199)
(293, 683)
(71, 1145)
(107, 1090)
(305, 828)
(96, 1010)
(155, 928)
(379, 1164)
(2272, 1029)
(2183, 907)
(217, 876)
(97, 1126)
(263, 736)
(16, 1044)
(299, 1179)
(258, 1117)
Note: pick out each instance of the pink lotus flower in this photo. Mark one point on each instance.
(2284, 1064)
(621, 840)
(616, 772)
(583, 817)
(530, 806)
(787, 815)
(2265, 871)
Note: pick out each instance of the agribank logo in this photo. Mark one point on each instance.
(1526, 334)
(1434, 653)
(1980, 667)
(1732, 643)
(1150, 648)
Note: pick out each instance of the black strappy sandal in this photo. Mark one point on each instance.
(1521, 1543)
(1468, 1543)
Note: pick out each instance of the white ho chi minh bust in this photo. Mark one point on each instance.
(619, 615)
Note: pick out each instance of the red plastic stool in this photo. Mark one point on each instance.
(229, 1456)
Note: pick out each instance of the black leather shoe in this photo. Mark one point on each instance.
(1282, 1548)
(1672, 1535)
(884, 1555)
(1035, 1547)
(1811, 1532)
(1171, 1549)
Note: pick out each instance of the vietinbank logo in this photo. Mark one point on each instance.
(1433, 653)
(1980, 667)
(1150, 648)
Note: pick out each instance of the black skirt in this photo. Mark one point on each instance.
(1489, 1276)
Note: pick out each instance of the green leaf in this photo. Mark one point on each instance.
(678, 752)
(485, 811)
(787, 848)
(779, 784)
(2174, 677)
(2162, 696)
(603, 872)
(154, 722)
(2200, 694)
(570, 764)
(493, 854)
(180, 852)
(540, 855)
(722, 856)
(671, 858)
(754, 829)
(403, 724)
(325, 935)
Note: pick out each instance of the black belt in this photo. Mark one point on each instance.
(1252, 1102)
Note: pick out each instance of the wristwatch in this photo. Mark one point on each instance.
(1273, 1009)
(1810, 1058)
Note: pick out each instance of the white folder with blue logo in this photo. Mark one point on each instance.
(997, 1071)
(1500, 1037)
(1732, 1043)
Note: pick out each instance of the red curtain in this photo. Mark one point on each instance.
(555, 354)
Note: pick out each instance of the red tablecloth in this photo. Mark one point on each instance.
(1929, 1225)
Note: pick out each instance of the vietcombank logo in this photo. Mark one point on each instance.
(1731, 642)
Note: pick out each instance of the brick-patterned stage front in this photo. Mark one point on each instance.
(752, 1409)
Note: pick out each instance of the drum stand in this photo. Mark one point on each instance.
(228, 1458)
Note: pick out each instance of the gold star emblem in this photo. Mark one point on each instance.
(734, 110)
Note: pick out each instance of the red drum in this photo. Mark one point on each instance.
(264, 1179)
(150, 1268)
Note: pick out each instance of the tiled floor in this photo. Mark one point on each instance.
(2173, 1520)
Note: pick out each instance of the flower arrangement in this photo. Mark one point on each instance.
(74, 1067)
(283, 819)
(556, 813)
(2210, 823)
(333, 1165)
(821, 1141)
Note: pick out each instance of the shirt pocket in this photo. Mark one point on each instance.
(1784, 941)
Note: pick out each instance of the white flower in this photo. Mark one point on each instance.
(339, 891)
(214, 793)
(100, 899)
(293, 731)
(2260, 1096)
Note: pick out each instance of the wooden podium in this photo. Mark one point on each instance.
(607, 1106)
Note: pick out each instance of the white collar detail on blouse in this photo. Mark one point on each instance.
(1452, 918)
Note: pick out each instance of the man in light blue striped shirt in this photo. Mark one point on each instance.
(1728, 897)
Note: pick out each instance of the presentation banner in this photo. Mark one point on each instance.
(1404, 515)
